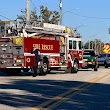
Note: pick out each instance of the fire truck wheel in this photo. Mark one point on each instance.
(44, 69)
(74, 69)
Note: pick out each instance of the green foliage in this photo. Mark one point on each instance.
(23, 16)
(55, 17)
(46, 15)
(34, 16)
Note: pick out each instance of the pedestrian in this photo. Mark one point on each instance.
(37, 60)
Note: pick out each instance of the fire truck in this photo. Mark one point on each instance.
(60, 47)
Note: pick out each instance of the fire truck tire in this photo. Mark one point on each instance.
(41, 72)
(74, 69)
(44, 69)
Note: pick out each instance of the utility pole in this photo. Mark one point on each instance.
(100, 47)
(28, 10)
(95, 45)
(92, 44)
(89, 44)
(60, 12)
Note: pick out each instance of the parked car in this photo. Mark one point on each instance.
(90, 59)
(104, 60)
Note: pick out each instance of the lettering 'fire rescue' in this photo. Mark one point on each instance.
(43, 46)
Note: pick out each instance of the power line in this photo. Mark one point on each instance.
(84, 16)
(42, 2)
(46, 3)
(4, 17)
(34, 5)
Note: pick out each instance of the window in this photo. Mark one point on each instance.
(91, 53)
(108, 55)
(74, 44)
(70, 44)
(80, 44)
(103, 55)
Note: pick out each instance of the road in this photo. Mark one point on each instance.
(86, 90)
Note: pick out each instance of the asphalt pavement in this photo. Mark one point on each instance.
(86, 90)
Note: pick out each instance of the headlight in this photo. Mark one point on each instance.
(38, 63)
(3, 49)
(2, 45)
(6, 45)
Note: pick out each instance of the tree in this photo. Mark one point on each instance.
(49, 16)
(23, 16)
(97, 45)
(46, 15)
(33, 15)
(55, 17)
(86, 45)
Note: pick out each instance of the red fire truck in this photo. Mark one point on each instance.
(60, 48)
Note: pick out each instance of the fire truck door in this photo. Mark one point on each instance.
(79, 46)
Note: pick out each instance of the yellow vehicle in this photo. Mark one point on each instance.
(106, 48)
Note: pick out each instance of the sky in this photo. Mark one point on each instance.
(90, 17)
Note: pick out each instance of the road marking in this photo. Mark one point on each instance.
(61, 95)
(76, 92)
(68, 94)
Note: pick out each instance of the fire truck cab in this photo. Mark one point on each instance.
(59, 46)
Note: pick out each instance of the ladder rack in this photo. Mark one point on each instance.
(45, 28)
